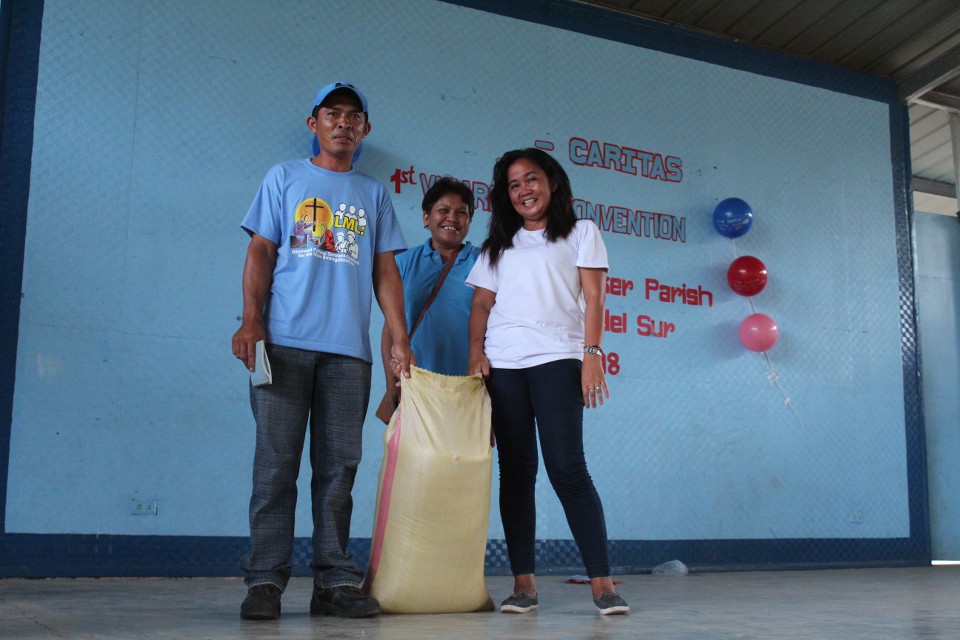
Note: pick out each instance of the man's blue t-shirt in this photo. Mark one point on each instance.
(440, 342)
(327, 226)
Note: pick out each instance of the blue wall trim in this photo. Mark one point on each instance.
(20, 23)
(609, 25)
(916, 440)
(68, 556)
(93, 555)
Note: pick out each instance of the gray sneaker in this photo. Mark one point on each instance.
(610, 604)
(519, 603)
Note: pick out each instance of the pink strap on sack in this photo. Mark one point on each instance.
(393, 452)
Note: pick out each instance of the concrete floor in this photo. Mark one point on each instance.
(853, 603)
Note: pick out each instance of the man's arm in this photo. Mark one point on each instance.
(257, 277)
(386, 344)
(388, 288)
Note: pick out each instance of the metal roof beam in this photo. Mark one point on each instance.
(955, 143)
(933, 187)
(939, 100)
(928, 77)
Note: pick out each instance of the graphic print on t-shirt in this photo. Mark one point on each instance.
(320, 232)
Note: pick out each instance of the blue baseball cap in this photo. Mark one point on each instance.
(339, 86)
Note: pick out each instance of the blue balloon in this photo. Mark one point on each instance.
(316, 150)
(732, 217)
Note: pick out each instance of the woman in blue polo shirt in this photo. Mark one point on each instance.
(440, 341)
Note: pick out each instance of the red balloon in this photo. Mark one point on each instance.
(759, 332)
(747, 276)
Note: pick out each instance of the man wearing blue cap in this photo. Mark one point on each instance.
(310, 303)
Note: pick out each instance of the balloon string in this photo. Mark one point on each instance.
(774, 377)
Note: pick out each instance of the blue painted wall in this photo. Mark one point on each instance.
(938, 293)
(155, 121)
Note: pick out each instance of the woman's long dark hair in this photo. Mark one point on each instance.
(504, 219)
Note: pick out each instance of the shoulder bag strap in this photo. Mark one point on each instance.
(436, 289)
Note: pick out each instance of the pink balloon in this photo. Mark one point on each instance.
(758, 332)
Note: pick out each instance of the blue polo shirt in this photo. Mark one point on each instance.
(440, 343)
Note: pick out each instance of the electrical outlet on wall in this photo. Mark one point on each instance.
(144, 507)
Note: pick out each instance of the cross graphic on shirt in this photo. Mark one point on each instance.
(313, 205)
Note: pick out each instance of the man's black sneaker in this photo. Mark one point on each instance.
(262, 603)
(346, 602)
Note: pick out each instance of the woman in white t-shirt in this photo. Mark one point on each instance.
(536, 325)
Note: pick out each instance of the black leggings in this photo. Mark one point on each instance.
(550, 394)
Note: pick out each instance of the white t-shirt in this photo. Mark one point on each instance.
(538, 313)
